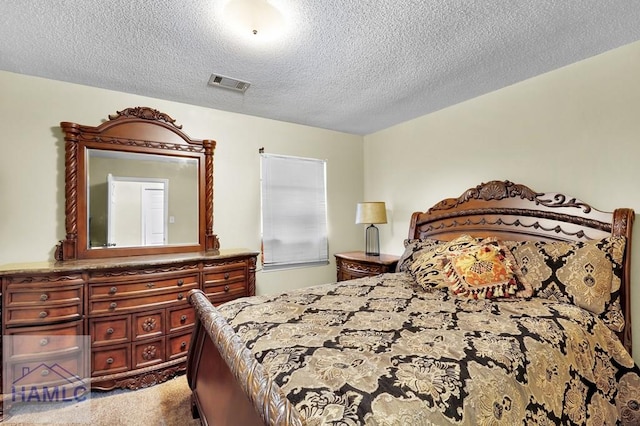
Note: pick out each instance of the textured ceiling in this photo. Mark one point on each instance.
(349, 65)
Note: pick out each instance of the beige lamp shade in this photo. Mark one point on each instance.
(371, 212)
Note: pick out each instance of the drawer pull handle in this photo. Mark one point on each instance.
(183, 345)
(109, 360)
(44, 297)
(113, 290)
(180, 296)
(44, 341)
(226, 275)
(183, 318)
(226, 288)
(44, 373)
(113, 305)
(180, 282)
(151, 285)
(43, 314)
(110, 330)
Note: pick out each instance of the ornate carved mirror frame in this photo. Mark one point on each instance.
(139, 130)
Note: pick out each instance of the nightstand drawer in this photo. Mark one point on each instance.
(357, 264)
(349, 274)
(362, 269)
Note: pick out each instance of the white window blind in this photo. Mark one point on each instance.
(294, 211)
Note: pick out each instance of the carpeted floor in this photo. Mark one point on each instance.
(166, 404)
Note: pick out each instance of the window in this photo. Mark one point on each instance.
(294, 212)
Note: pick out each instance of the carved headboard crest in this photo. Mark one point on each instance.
(498, 190)
(145, 113)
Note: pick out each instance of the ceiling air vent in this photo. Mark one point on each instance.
(228, 83)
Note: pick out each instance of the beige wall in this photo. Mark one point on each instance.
(32, 169)
(575, 131)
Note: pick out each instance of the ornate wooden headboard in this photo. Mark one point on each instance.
(515, 212)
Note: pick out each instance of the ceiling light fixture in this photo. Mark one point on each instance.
(257, 18)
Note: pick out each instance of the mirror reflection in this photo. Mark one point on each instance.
(141, 199)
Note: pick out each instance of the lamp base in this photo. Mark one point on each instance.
(372, 241)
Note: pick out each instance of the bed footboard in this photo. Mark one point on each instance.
(228, 385)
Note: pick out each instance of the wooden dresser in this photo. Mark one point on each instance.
(134, 310)
(111, 311)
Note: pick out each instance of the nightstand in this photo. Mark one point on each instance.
(356, 264)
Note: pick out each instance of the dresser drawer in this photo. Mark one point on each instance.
(224, 292)
(122, 304)
(140, 285)
(49, 341)
(148, 352)
(225, 274)
(148, 324)
(110, 330)
(43, 296)
(110, 360)
(178, 345)
(62, 370)
(180, 318)
(43, 314)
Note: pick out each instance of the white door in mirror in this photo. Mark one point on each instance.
(137, 211)
(153, 217)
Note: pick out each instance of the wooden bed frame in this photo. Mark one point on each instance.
(230, 387)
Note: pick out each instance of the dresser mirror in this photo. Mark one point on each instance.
(138, 200)
(136, 185)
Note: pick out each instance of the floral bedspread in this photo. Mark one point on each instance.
(383, 351)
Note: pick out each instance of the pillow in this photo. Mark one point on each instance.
(587, 274)
(484, 272)
(427, 268)
(412, 249)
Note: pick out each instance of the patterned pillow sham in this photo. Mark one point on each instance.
(587, 274)
(485, 272)
(412, 249)
(427, 267)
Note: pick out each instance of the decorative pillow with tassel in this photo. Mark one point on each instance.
(484, 272)
(427, 268)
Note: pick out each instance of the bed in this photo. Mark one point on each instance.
(509, 306)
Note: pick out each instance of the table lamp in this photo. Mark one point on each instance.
(371, 213)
